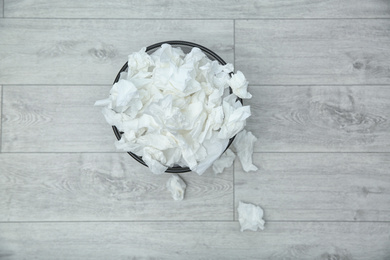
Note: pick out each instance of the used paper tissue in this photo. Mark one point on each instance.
(250, 216)
(175, 109)
(226, 160)
(176, 186)
(243, 143)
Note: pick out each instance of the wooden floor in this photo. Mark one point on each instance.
(319, 73)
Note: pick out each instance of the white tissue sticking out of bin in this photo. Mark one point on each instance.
(226, 160)
(243, 143)
(239, 85)
(176, 186)
(250, 216)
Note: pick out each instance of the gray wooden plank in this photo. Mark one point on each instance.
(104, 187)
(55, 119)
(320, 118)
(285, 119)
(89, 51)
(189, 240)
(280, 52)
(201, 9)
(316, 186)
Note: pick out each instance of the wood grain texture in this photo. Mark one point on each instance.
(104, 187)
(320, 118)
(280, 52)
(189, 240)
(202, 9)
(55, 51)
(55, 118)
(285, 119)
(315, 186)
(319, 72)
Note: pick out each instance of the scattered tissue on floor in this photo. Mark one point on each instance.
(250, 216)
(176, 186)
(175, 109)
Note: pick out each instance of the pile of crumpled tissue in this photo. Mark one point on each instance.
(175, 109)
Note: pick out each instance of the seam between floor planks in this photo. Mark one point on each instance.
(197, 19)
(234, 44)
(234, 191)
(1, 117)
(194, 221)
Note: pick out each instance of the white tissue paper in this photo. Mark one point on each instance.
(226, 160)
(174, 110)
(243, 143)
(250, 216)
(176, 186)
(239, 85)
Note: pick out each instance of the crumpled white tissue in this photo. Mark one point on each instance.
(239, 85)
(173, 108)
(235, 117)
(214, 148)
(155, 159)
(243, 143)
(226, 160)
(250, 217)
(176, 186)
